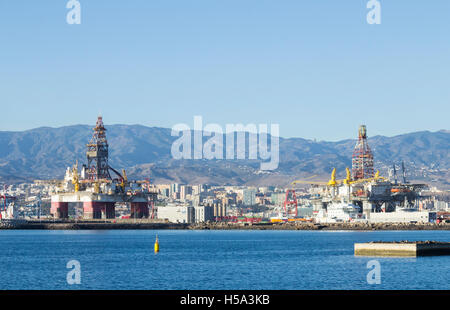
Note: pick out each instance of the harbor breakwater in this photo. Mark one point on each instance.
(150, 225)
(328, 226)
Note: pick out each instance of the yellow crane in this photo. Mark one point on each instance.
(331, 182)
(75, 178)
(376, 177)
(334, 182)
(348, 177)
(124, 179)
(97, 187)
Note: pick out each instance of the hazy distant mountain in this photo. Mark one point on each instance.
(45, 153)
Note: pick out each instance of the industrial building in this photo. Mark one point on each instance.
(403, 216)
(177, 213)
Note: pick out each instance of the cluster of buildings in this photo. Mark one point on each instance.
(203, 202)
(184, 203)
(98, 191)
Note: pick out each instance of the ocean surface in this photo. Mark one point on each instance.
(204, 260)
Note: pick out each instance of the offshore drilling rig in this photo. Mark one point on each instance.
(364, 188)
(97, 189)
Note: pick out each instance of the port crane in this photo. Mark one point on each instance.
(334, 182)
(290, 203)
(331, 182)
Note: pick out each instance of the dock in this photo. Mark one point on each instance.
(402, 248)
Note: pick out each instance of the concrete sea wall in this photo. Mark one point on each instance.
(400, 249)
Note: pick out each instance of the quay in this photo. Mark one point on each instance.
(90, 225)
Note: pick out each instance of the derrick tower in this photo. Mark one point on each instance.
(362, 159)
(97, 154)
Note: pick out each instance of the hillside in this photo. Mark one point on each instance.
(44, 153)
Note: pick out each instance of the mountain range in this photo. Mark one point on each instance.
(45, 153)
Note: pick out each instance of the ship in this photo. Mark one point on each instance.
(340, 212)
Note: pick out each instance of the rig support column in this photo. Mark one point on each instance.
(109, 210)
(99, 210)
(60, 210)
(92, 209)
(139, 210)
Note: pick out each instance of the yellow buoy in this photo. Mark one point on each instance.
(156, 245)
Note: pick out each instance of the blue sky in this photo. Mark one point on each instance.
(315, 67)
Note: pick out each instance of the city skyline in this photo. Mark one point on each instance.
(307, 66)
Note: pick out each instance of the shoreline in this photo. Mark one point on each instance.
(149, 225)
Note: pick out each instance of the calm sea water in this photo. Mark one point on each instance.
(212, 260)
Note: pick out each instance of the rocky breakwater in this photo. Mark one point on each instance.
(316, 226)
